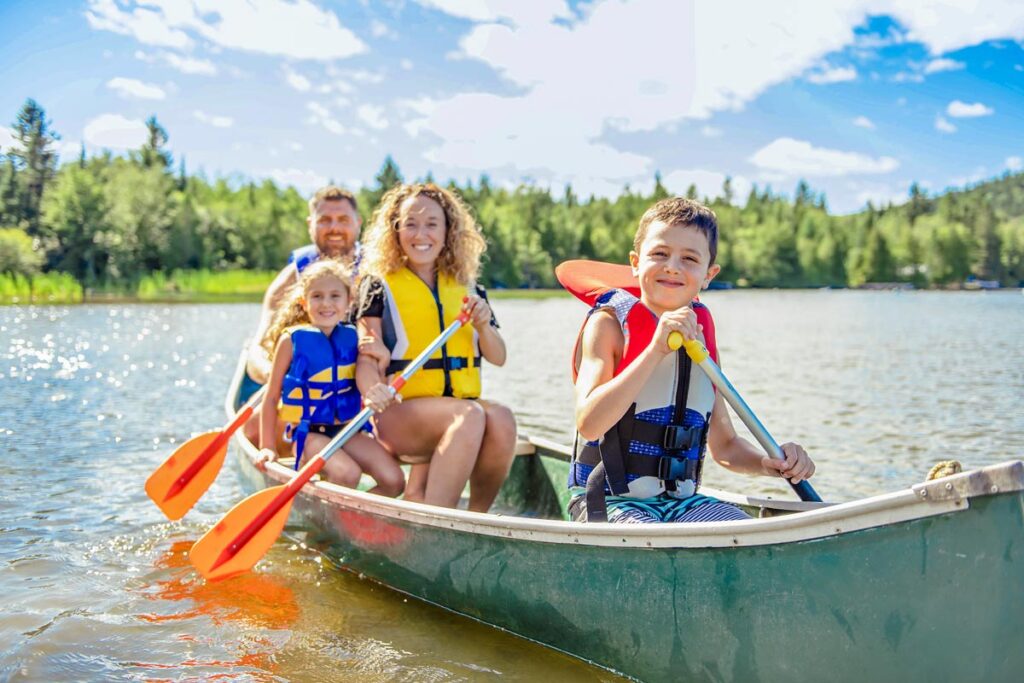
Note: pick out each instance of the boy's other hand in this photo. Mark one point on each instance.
(796, 467)
(682, 320)
(379, 397)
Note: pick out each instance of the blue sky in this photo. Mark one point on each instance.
(858, 97)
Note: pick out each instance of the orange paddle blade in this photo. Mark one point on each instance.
(177, 484)
(212, 555)
(589, 279)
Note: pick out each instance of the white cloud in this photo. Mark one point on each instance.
(943, 64)
(515, 12)
(372, 116)
(378, 29)
(113, 131)
(295, 146)
(406, 64)
(960, 109)
(186, 65)
(880, 196)
(833, 75)
(320, 115)
(864, 122)
(213, 119)
(297, 80)
(948, 26)
(130, 87)
(69, 149)
(291, 28)
(1014, 164)
(304, 180)
(709, 183)
(943, 125)
(711, 132)
(800, 158)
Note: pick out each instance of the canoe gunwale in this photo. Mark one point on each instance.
(943, 496)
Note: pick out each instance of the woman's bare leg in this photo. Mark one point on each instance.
(448, 430)
(496, 455)
(416, 489)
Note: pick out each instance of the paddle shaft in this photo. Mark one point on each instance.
(699, 355)
(241, 417)
(316, 464)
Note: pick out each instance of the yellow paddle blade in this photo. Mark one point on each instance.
(212, 556)
(165, 486)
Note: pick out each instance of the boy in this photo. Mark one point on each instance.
(645, 413)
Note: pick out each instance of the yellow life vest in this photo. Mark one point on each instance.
(416, 316)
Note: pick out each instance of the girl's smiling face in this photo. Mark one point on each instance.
(326, 302)
(421, 232)
(673, 265)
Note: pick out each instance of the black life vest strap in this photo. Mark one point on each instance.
(450, 363)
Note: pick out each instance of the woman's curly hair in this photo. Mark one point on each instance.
(463, 242)
(292, 310)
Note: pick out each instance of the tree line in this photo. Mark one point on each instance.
(109, 221)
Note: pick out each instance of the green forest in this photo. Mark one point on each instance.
(140, 223)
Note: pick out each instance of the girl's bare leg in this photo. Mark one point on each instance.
(496, 455)
(371, 458)
(416, 489)
(448, 430)
(340, 468)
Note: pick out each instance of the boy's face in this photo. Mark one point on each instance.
(673, 265)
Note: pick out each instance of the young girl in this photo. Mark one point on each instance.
(312, 382)
(420, 266)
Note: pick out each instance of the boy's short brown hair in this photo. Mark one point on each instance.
(331, 193)
(682, 211)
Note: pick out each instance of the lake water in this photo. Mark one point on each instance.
(96, 585)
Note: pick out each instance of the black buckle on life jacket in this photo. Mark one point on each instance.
(680, 438)
(672, 469)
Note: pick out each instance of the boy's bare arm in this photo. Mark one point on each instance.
(739, 455)
(601, 397)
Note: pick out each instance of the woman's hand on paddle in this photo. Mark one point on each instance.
(379, 397)
(479, 310)
(682, 320)
(266, 455)
(796, 467)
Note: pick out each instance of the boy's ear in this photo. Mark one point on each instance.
(634, 262)
(712, 272)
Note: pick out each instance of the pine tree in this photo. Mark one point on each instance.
(153, 152)
(35, 160)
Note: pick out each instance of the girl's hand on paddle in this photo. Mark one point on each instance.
(266, 455)
(379, 397)
(370, 345)
(682, 320)
(796, 467)
(479, 310)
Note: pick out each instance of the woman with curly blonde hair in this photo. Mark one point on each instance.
(421, 261)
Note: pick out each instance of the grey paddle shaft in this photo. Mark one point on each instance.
(359, 420)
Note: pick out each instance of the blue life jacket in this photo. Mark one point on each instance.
(304, 256)
(319, 387)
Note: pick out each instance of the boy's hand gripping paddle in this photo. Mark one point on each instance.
(699, 355)
(187, 473)
(246, 532)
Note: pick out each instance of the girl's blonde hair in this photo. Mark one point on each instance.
(292, 311)
(463, 243)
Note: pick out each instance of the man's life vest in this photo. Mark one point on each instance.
(414, 316)
(305, 256)
(319, 387)
(658, 446)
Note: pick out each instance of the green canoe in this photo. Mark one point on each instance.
(922, 584)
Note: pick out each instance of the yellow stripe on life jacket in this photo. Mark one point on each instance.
(418, 318)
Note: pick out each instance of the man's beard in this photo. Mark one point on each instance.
(341, 249)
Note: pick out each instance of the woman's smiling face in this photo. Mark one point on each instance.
(673, 265)
(421, 231)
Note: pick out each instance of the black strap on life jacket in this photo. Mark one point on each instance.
(612, 460)
(449, 363)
